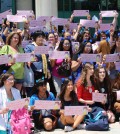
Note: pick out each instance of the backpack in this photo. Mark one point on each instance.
(20, 121)
(97, 120)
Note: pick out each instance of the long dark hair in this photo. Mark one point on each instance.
(82, 47)
(112, 51)
(106, 82)
(73, 96)
(60, 48)
(4, 77)
(38, 83)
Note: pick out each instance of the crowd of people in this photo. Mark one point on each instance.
(72, 85)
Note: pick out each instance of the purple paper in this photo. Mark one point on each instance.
(59, 54)
(73, 26)
(16, 18)
(112, 57)
(4, 14)
(117, 65)
(81, 12)
(87, 23)
(108, 13)
(76, 110)
(104, 27)
(90, 57)
(59, 21)
(42, 18)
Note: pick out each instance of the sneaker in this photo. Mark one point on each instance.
(68, 129)
(81, 126)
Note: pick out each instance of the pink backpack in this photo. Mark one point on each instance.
(21, 122)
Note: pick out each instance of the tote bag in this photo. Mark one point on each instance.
(28, 77)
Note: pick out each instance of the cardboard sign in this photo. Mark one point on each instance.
(99, 97)
(59, 21)
(81, 12)
(34, 23)
(108, 13)
(91, 57)
(112, 57)
(37, 28)
(16, 18)
(31, 17)
(41, 104)
(43, 49)
(118, 95)
(76, 110)
(42, 18)
(73, 26)
(117, 65)
(29, 13)
(3, 59)
(25, 57)
(25, 12)
(104, 27)
(14, 105)
(87, 23)
(11, 58)
(25, 43)
(4, 14)
(59, 54)
(1, 20)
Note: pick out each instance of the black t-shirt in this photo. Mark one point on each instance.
(69, 103)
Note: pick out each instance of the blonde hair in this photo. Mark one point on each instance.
(82, 78)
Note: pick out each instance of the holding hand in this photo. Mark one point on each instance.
(4, 110)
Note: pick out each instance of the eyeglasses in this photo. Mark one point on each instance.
(11, 80)
(66, 44)
(16, 38)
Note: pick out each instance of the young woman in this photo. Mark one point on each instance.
(68, 98)
(42, 118)
(103, 85)
(65, 45)
(85, 85)
(7, 94)
(52, 39)
(13, 46)
(76, 62)
(115, 101)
